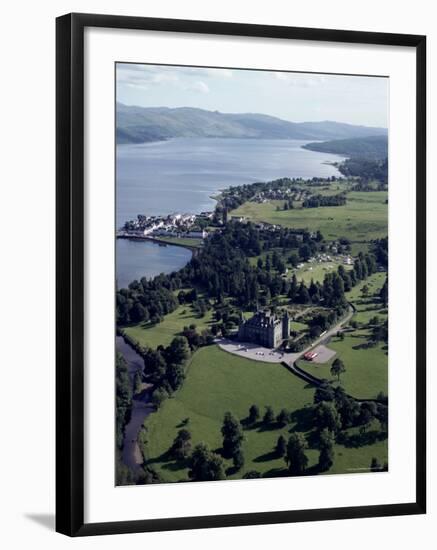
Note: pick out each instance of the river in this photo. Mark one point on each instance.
(141, 408)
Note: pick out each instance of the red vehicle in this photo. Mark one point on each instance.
(310, 355)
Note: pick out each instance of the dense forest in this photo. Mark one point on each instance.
(371, 147)
(366, 169)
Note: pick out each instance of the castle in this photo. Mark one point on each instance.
(265, 329)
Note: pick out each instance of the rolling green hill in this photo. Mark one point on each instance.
(371, 147)
(140, 124)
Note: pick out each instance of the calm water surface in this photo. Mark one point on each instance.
(136, 259)
(181, 174)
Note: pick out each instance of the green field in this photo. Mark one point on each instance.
(153, 335)
(362, 218)
(218, 382)
(366, 369)
(370, 306)
(190, 243)
(316, 271)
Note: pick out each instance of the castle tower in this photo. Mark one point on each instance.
(285, 326)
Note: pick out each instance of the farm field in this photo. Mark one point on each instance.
(362, 218)
(153, 335)
(218, 382)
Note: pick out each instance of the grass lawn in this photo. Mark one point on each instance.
(191, 243)
(298, 326)
(370, 306)
(366, 369)
(362, 218)
(172, 324)
(218, 382)
(316, 271)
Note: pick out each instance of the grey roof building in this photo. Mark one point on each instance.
(265, 329)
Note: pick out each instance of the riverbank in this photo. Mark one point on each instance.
(170, 241)
(141, 407)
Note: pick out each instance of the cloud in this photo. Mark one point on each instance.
(301, 80)
(198, 86)
(144, 76)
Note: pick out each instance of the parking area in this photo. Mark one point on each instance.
(251, 351)
(324, 354)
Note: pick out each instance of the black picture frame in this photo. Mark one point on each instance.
(70, 276)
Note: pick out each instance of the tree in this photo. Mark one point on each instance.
(293, 259)
(232, 435)
(252, 474)
(324, 392)
(365, 420)
(337, 368)
(326, 446)
(138, 313)
(205, 465)
(238, 459)
(269, 415)
(303, 296)
(147, 476)
(254, 414)
(281, 446)
(283, 417)
(305, 252)
(181, 447)
(123, 389)
(295, 456)
(178, 351)
(154, 365)
(349, 411)
(382, 416)
(158, 396)
(383, 293)
(327, 417)
(375, 465)
(175, 375)
(138, 382)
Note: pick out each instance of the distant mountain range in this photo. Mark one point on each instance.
(370, 147)
(143, 124)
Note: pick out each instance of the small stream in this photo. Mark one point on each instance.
(141, 408)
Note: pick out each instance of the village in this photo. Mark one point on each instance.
(176, 225)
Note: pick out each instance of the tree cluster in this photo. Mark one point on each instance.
(165, 367)
(365, 168)
(232, 440)
(123, 397)
(316, 201)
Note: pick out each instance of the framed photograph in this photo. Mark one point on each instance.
(231, 349)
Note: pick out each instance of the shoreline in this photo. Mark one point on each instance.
(193, 249)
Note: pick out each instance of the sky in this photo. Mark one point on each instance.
(298, 97)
